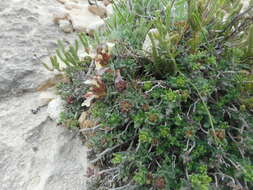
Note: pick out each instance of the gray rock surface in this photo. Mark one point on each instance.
(66, 26)
(35, 153)
(26, 30)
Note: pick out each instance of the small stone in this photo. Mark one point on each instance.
(52, 82)
(71, 5)
(95, 27)
(46, 97)
(54, 109)
(60, 15)
(66, 26)
(82, 18)
(66, 1)
(61, 1)
(107, 2)
(147, 45)
(99, 10)
(109, 10)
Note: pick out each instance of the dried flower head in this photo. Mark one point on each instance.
(125, 106)
(120, 84)
(70, 100)
(97, 90)
(160, 183)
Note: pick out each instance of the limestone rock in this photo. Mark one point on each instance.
(147, 45)
(107, 2)
(95, 26)
(71, 5)
(54, 109)
(46, 96)
(82, 18)
(65, 26)
(35, 153)
(52, 81)
(109, 10)
(66, 1)
(61, 1)
(60, 14)
(99, 10)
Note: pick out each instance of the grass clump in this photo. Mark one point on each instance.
(176, 116)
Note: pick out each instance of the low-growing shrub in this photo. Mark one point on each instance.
(180, 116)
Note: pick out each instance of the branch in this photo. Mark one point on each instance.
(236, 19)
(156, 86)
(126, 187)
(105, 152)
(90, 129)
(108, 170)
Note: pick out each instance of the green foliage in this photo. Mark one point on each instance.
(250, 44)
(200, 181)
(184, 120)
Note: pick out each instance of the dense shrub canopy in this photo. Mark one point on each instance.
(180, 116)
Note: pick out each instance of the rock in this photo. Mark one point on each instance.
(109, 10)
(46, 97)
(35, 153)
(147, 45)
(62, 1)
(107, 2)
(55, 79)
(71, 5)
(95, 27)
(60, 14)
(67, 1)
(35, 38)
(99, 10)
(246, 4)
(54, 109)
(82, 18)
(65, 26)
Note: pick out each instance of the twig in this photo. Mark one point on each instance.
(131, 144)
(159, 165)
(91, 67)
(151, 81)
(108, 170)
(125, 187)
(138, 146)
(156, 86)
(99, 156)
(127, 126)
(238, 146)
(192, 147)
(206, 132)
(225, 175)
(174, 161)
(237, 166)
(90, 129)
(236, 18)
(187, 144)
(150, 148)
(105, 152)
(186, 173)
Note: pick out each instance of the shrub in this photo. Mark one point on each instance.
(179, 117)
